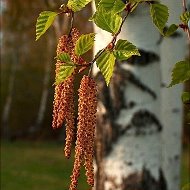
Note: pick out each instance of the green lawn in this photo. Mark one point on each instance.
(36, 166)
(42, 165)
(185, 172)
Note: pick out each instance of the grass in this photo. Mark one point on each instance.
(42, 165)
(34, 166)
(185, 167)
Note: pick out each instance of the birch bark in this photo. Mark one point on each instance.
(132, 127)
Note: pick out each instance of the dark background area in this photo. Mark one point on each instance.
(24, 64)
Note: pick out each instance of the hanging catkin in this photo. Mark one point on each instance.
(63, 109)
(85, 132)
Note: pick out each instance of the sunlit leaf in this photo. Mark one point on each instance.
(140, 1)
(65, 71)
(180, 72)
(44, 21)
(64, 57)
(77, 5)
(115, 6)
(84, 43)
(159, 14)
(185, 17)
(106, 63)
(107, 20)
(124, 50)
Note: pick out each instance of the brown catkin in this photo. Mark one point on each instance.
(85, 132)
(63, 109)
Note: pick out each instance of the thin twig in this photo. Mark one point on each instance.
(72, 22)
(184, 5)
(112, 43)
(90, 70)
(119, 31)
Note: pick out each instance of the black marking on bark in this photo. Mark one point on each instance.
(113, 98)
(131, 104)
(174, 35)
(129, 76)
(117, 92)
(129, 163)
(146, 58)
(104, 96)
(175, 110)
(144, 181)
(139, 181)
(142, 118)
(106, 130)
(142, 123)
(163, 85)
(176, 157)
(162, 180)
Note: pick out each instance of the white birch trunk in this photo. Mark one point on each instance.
(134, 161)
(172, 50)
(129, 130)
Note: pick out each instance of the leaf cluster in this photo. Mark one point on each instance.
(109, 17)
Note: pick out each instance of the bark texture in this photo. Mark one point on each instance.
(173, 50)
(129, 148)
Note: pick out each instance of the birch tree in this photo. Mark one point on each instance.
(130, 131)
(172, 50)
(137, 114)
(129, 121)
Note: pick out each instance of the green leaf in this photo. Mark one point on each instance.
(185, 17)
(185, 97)
(116, 6)
(64, 57)
(124, 50)
(169, 31)
(65, 71)
(107, 20)
(84, 43)
(106, 63)
(44, 21)
(140, 1)
(77, 5)
(180, 73)
(159, 14)
(97, 2)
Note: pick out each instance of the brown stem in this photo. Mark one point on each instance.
(112, 42)
(188, 33)
(184, 5)
(72, 22)
(119, 31)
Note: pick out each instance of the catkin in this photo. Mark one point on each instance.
(85, 131)
(63, 109)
